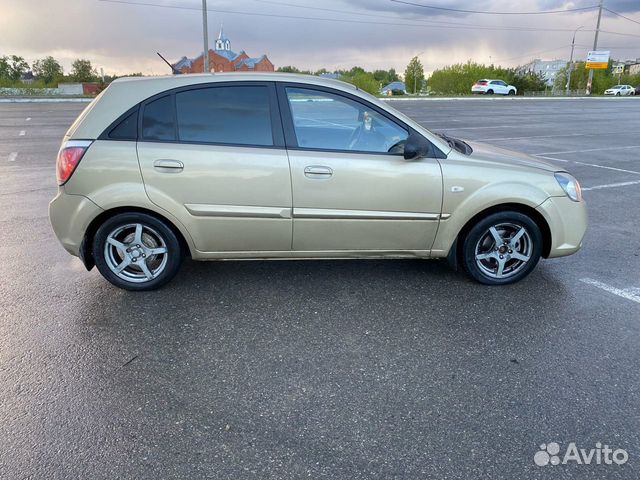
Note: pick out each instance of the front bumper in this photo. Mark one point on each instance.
(567, 221)
(70, 216)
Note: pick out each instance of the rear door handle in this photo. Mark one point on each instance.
(317, 171)
(168, 165)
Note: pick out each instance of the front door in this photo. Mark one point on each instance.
(213, 155)
(352, 188)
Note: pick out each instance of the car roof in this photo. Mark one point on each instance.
(174, 81)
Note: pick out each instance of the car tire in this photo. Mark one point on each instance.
(136, 251)
(489, 92)
(502, 248)
(618, 94)
(511, 92)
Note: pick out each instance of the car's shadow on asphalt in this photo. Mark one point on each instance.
(385, 292)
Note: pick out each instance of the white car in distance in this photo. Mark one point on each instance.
(620, 90)
(489, 87)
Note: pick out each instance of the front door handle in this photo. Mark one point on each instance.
(168, 165)
(317, 171)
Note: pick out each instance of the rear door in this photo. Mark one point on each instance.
(213, 155)
(499, 87)
(352, 188)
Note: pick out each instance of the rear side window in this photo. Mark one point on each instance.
(158, 120)
(231, 114)
(127, 129)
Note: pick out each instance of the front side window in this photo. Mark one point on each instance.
(327, 121)
(231, 114)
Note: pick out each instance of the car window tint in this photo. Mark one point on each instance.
(326, 121)
(236, 115)
(127, 129)
(157, 121)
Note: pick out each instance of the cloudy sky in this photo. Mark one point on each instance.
(122, 36)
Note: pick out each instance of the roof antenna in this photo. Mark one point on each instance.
(173, 69)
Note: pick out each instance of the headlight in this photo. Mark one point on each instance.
(570, 185)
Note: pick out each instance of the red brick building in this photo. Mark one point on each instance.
(223, 59)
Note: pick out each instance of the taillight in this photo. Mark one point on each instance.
(68, 158)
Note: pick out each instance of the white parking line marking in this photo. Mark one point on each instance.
(12, 156)
(28, 119)
(552, 158)
(589, 150)
(537, 136)
(608, 168)
(22, 133)
(611, 185)
(628, 293)
(478, 128)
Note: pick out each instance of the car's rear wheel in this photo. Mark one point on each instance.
(502, 248)
(489, 92)
(136, 251)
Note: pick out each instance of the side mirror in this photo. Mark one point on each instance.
(416, 147)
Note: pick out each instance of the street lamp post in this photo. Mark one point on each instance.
(573, 44)
(415, 75)
(595, 47)
(205, 36)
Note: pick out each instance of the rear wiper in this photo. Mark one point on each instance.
(457, 144)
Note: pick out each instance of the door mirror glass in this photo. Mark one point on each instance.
(416, 147)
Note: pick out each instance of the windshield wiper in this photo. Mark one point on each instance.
(457, 144)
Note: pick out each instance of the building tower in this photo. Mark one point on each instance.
(222, 42)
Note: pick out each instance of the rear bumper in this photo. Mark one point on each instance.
(70, 216)
(568, 223)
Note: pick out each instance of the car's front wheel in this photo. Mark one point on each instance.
(136, 251)
(502, 248)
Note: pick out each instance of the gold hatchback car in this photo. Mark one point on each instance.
(279, 166)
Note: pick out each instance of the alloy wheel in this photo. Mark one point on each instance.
(136, 252)
(503, 250)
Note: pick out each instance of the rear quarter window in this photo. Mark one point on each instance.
(126, 129)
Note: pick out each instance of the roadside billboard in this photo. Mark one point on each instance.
(598, 59)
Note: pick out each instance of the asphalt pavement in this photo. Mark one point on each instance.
(327, 369)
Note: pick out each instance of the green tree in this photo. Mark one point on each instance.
(288, 69)
(291, 69)
(527, 81)
(363, 80)
(83, 71)
(4, 68)
(386, 76)
(12, 67)
(47, 69)
(414, 75)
